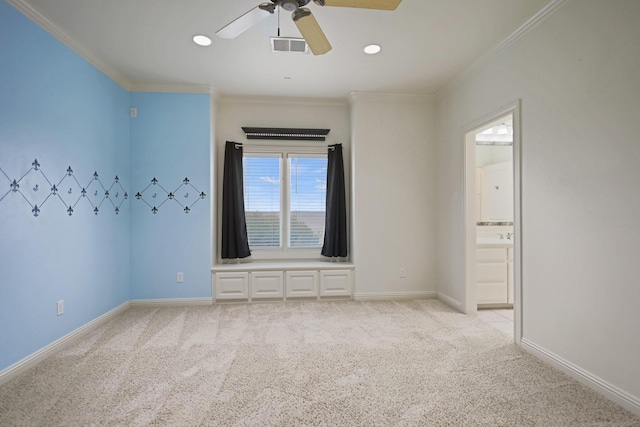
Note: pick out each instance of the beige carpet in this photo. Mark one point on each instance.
(343, 363)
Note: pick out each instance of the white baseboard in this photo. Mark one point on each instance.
(621, 397)
(394, 295)
(33, 359)
(453, 303)
(176, 302)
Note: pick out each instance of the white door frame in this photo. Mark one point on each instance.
(470, 305)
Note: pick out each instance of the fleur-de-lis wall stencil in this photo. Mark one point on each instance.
(178, 195)
(60, 190)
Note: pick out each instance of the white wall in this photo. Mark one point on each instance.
(576, 73)
(393, 195)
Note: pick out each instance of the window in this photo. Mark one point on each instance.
(285, 198)
(262, 201)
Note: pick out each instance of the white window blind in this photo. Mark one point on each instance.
(307, 200)
(262, 200)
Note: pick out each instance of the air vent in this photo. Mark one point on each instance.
(288, 44)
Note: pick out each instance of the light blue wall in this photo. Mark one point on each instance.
(170, 141)
(57, 108)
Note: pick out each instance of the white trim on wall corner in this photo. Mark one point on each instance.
(389, 97)
(453, 303)
(394, 295)
(33, 359)
(173, 88)
(37, 17)
(531, 23)
(619, 396)
(175, 302)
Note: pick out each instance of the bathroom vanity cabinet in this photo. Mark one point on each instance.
(494, 273)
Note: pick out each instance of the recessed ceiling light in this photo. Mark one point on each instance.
(201, 40)
(372, 49)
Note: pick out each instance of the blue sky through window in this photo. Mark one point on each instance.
(308, 186)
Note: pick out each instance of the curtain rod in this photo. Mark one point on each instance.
(238, 145)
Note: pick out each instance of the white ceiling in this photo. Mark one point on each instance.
(425, 43)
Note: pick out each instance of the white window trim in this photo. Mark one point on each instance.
(285, 253)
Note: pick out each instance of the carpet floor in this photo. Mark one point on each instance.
(338, 363)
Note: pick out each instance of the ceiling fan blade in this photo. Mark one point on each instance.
(311, 31)
(243, 23)
(364, 4)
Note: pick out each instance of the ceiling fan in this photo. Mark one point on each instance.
(302, 17)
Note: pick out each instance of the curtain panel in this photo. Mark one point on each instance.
(235, 243)
(335, 231)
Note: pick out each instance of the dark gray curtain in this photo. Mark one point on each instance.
(235, 243)
(335, 228)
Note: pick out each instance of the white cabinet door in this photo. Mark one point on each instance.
(232, 285)
(301, 283)
(336, 282)
(491, 255)
(492, 276)
(491, 272)
(266, 284)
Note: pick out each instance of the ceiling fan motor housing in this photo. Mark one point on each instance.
(291, 5)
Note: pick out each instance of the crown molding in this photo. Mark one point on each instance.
(525, 28)
(383, 96)
(160, 87)
(37, 17)
(281, 100)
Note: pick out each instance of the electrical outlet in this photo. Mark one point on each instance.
(180, 277)
(133, 112)
(403, 273)
(60, 307)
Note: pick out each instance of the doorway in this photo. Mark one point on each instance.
(492, 220)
